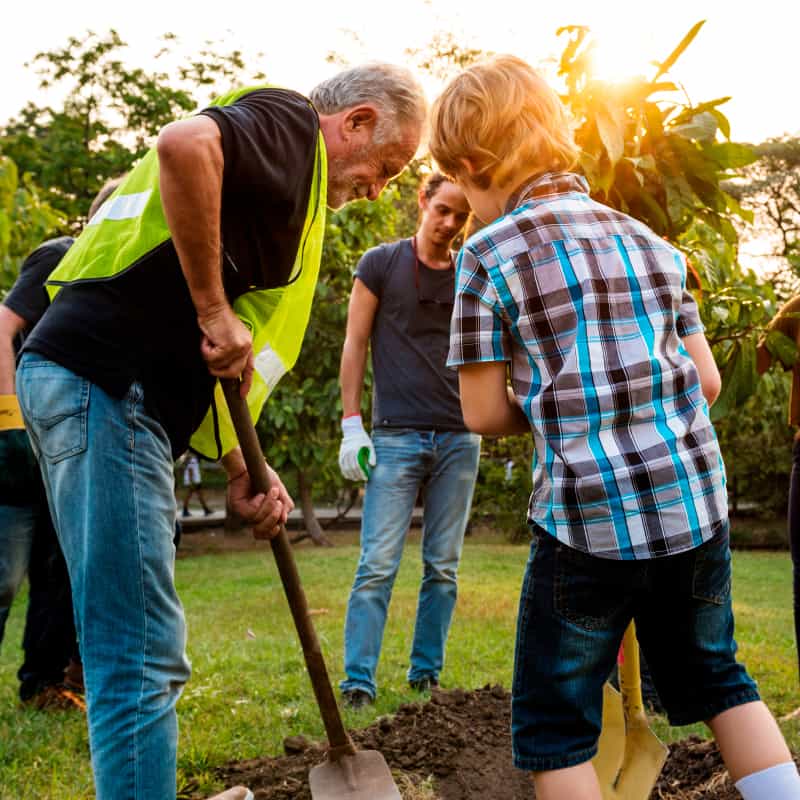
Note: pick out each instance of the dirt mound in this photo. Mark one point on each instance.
(460, 744)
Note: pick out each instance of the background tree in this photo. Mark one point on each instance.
(25, 220)
(651, 152)
(770, 188)
(111, 111)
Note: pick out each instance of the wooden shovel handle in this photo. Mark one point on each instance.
(340, 742)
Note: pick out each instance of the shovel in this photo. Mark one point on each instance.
(346, 774)
(630, 756)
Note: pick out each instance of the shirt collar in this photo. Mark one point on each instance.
(543, 185)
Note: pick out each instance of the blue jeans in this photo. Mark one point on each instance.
(573, 611)
(107, 468)
(28, 544)
(445, 466)
(17, 524)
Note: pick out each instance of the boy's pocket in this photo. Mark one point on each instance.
(712, 571)
(582, 591)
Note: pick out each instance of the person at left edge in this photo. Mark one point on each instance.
(201, 265)
(51, 674)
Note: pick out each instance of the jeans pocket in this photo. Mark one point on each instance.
(58, 404)
(711, 582)
(581, 596)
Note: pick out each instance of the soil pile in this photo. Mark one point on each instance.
(460, 743)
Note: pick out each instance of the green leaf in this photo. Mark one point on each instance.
(739, 379)
(731, 155)
(668, 63)
(611, 134)
(782, 348)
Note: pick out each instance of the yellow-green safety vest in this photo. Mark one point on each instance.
(131, 224)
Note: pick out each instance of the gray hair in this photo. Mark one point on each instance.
(394, 90)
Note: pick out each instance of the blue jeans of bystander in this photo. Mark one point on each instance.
(445, 465)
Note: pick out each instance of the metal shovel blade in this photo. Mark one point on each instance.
(363, 776)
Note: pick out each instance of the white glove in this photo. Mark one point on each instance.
(354, 440)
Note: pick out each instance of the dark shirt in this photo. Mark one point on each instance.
(141, 325)
(410, 337)
(28, 298)
(20, 480)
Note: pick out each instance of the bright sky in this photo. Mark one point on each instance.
(747, 51)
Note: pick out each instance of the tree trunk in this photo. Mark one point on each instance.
(312, 527)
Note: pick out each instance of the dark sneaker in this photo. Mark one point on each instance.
(56, 697)
(208, 512)
(73, 677)
(357, 698)
(424, 684)
(237, 793)
(186, 512)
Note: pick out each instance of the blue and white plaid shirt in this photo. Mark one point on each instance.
(589, 307)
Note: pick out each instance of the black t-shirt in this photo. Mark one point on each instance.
(141, 325)
(28, 298)
(413, 388)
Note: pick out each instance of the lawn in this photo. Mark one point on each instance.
(249, 689)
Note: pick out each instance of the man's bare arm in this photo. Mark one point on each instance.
(10, 325)
(360, 317)
(191, 169)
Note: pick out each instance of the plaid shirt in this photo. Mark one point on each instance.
(589, 307)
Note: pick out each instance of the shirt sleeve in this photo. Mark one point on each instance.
(478, 332)
(688, 321)
(28, 297)
(265, 135)
(370, 271)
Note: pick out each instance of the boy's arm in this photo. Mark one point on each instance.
(710, 380)
(487, 403)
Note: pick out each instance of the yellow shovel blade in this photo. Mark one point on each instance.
(643, 753)
(611, 745)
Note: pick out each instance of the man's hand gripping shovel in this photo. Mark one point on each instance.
(630, 756)
(346, 774)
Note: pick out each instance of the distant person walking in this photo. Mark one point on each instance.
(51, 675)
(193, 483)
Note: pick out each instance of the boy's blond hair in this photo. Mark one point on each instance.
(501, 116)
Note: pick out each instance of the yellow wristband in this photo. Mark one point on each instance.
(10, 415)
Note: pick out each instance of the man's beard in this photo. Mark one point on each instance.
(342, 189)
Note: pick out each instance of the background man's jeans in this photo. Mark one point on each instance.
(445, 465)
(107, 468)
(17, 524)
(28, 544)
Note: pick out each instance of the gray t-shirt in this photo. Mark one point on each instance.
(410, 338)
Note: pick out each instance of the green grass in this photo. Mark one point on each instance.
(249, 689)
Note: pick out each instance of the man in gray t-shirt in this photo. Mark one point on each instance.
(400, 309)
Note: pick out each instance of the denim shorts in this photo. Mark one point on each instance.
(573, 611)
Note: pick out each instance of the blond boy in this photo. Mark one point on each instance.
(611, 373)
